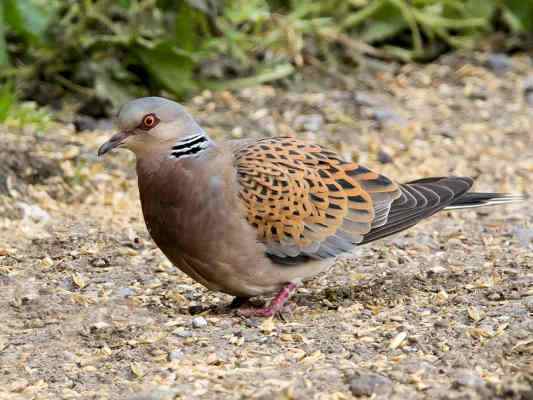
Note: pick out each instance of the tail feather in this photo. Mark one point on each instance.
(474, 200)
(424, 197)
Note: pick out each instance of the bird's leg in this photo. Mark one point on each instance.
(275, 306)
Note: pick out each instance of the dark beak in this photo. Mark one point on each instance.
(115, 141)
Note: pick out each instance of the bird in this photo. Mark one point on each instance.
(254, 217)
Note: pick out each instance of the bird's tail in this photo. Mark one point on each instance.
(474, 200)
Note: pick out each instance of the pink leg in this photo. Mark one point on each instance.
(275, 306)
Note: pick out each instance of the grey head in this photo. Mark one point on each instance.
(151, 122)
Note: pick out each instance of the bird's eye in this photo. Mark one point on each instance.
(149, 121)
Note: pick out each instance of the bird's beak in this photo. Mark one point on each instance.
(116, 140)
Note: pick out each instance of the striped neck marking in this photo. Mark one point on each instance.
(190, 146)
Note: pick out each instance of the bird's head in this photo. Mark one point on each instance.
(150, 122)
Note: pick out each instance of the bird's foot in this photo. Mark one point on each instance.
(276, 306)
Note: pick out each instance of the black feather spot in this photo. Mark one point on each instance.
(358, 171)
(345, 184)
(357, 199)
(316, 198)
(382, 180)
(332, 187)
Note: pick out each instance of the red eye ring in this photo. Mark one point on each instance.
(149, 121)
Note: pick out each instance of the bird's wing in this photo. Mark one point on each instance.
(305, 201)
(424, 197)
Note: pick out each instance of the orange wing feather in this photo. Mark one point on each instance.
(305, 200)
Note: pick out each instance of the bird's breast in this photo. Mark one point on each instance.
(195, 217)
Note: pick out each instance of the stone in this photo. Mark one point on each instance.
(199, 322)
(499, 62)
(467, 378)
(368, 384)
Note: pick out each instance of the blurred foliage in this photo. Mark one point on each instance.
(99, 51)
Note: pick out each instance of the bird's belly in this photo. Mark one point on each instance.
(221, 262)
(219, 275)
(220, 250)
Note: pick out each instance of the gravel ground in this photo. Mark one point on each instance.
(91, 309)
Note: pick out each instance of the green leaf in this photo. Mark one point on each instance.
(518, 14)
(4, 59)
(29, 17)
(7, 99)
(187, 29)
(169, 67)
(385, 23)
(480, 8)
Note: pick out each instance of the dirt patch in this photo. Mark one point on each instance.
(91, 309)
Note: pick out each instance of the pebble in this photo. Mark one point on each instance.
(499, 62)
(126, 292)
(312, 122)
(384, 115)
(495, 296)
(175, 355)
(384, 157)
(528, 89)
(468, 378)
(369, 384)
(366, 99)
(524, 235)
(199, 322)
(441, 324)
(33, 212)
(183, 333)
(99, 325)
(99, 262)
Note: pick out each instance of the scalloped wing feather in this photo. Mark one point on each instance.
(305, 200)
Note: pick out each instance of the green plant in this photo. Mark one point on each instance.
(101, 51)
(7, 99)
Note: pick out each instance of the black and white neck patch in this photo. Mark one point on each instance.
(190, 146)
